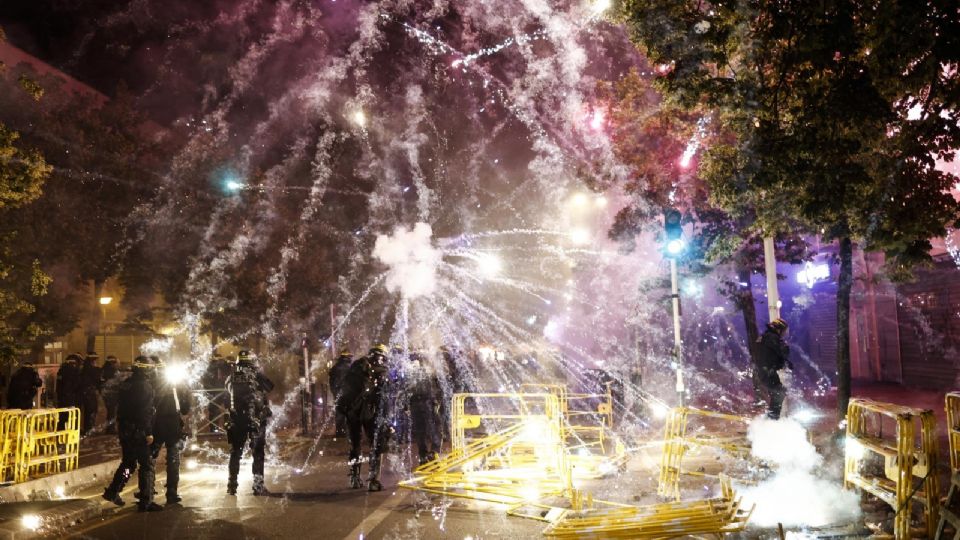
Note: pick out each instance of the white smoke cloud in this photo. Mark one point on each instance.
(794, 495)
(412, 260)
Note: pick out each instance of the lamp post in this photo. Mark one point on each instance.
(675, 246)
(104, 302)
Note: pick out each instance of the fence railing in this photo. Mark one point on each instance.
(38, 442)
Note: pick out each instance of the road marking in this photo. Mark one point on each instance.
(379, 514)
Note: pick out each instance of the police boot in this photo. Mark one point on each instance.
(232, 486)
(373, 482)
(355, 482)
(258, 487)
(113, 497)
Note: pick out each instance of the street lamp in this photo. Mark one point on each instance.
(104, 302)
(675, 246)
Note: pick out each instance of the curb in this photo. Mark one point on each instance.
(58, 516)
(58, 485)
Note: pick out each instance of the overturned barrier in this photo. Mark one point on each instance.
(715, 516)
(38, 442)
(517, 450)
(884, 437)
(725, 432)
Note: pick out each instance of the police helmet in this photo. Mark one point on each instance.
(245, 356)
(379, 349)
(778, 325)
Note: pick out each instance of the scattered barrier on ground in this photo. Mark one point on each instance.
(686, 429)
(38, 442)
(885, 457)
(523, 451)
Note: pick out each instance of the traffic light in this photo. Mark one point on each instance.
(674, 232)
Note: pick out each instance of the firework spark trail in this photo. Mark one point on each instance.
(290, 253)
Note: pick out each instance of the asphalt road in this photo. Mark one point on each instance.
(313, 503)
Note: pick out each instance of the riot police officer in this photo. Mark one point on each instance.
(68, 386)
(172, 401)
(425, 398)
(135, 416)
(90, 384)
(23, 387)
(363, 401)
(338, 373)
(249, 413)
(110, 375)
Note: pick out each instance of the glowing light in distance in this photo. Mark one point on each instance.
(59, 492)
(579, 199)
(31, 522)
(175, 373)
(489, 265)
(105, 300)
(580, 236)
(233, 185)
(600, 201)
(599, 6)
(687, 157)
(692, 288)
(191, 464)
(359, 118)
(812, 273)
(597, 120)
(853, 448)
(675, 246)
(486, 353)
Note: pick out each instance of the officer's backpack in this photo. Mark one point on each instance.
(245, 391)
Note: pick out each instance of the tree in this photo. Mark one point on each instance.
(814, 101)
(23, 172)
(99, 169)
(651, 135)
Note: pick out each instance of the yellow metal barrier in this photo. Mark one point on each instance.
(10, 421)
(726, 432)
(716, 516)
(594, 450)
(34, 444)
(953, 429)
(513, 449)
(887, 433)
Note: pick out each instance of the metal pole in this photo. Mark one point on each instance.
(304, 427)
(103, 328)
(333, 330)
(770, 267)
(677, 342)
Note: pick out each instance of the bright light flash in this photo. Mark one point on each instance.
(580, 236)
(191, 464)
(233, 185)
(59, 492)
(659, 410)
(579, 199)
(674, 246)
(31, 522)
(854, 449)
(597, 119)
(489, 265)
(599, 6)
(175, 373)
(805, 416)
(600, 201)
(359, 118)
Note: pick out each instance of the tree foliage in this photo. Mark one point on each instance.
(831, 114)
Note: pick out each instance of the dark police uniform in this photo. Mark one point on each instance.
(135, 417)
(249, 413)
